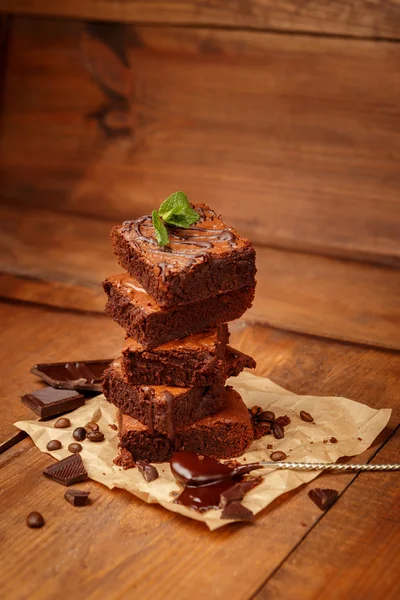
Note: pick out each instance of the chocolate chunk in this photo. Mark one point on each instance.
(68, 471)
(284, 420)
(34, 520)
(77, 497)
(148, 471)
(62, 423)
(238, 512)
(95, 436)
(49, 402)
(305, 416)
(278, 431)
(323, 498)
(333, 440)
(79, 434)
(278, 456)
(85, 375)
(233, 494)
(267, 415)
(74, 448)
(53, 445)
(92, 427)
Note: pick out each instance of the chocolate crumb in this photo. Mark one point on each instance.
(148, 471)
(34, 520)
(112, 426)
(305, 416)
(270, 446)
(237, 512)
(283, 421)
(323, 497)
(62, 423)
(359, 439)
(333, 440)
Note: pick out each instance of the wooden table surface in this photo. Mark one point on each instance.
(120, 547)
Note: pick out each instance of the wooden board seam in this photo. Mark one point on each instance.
(10, 10)
(323, 514)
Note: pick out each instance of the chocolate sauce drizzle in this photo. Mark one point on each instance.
(205, 479)
(193, 237)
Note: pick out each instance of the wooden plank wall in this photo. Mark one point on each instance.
(283, 115)
(361, 18)
(294, 138)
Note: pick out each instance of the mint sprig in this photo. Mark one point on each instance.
(160, 229)
(175, 210)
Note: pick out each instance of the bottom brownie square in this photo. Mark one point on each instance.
(224, 434)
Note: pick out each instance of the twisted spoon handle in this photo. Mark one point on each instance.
(329, 466)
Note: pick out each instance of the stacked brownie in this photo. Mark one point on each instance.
(174, 303)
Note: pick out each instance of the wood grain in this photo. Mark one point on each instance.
(172, 557)
(295, 141)
(299, 292)
(363, 18)
(356, 545)
(32, 334)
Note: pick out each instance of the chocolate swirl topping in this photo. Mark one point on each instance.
(194, 237)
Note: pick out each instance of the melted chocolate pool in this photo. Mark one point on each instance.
(205, 479)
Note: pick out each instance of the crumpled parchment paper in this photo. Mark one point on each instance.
(354, 425)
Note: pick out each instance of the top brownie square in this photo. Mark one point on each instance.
(202, 261)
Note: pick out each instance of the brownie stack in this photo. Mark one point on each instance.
(174, 303)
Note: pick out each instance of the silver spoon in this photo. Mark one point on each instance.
(329, 466)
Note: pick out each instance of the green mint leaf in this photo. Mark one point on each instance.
(183, 220)
(160, 229)
(177, 211)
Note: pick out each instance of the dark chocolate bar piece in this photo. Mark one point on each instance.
(67, 471)
(49, 402)
(207, 259)
(83, 375)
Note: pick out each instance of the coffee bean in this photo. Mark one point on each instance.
(53, 445)
(305, 416)
(278, 456)
(267, 415)
(79, 434)
(74, 448)
(95, 436)
(34, 520)
(278, 431)
(62, 423)
(92, 427)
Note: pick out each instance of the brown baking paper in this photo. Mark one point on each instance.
(354, 425)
